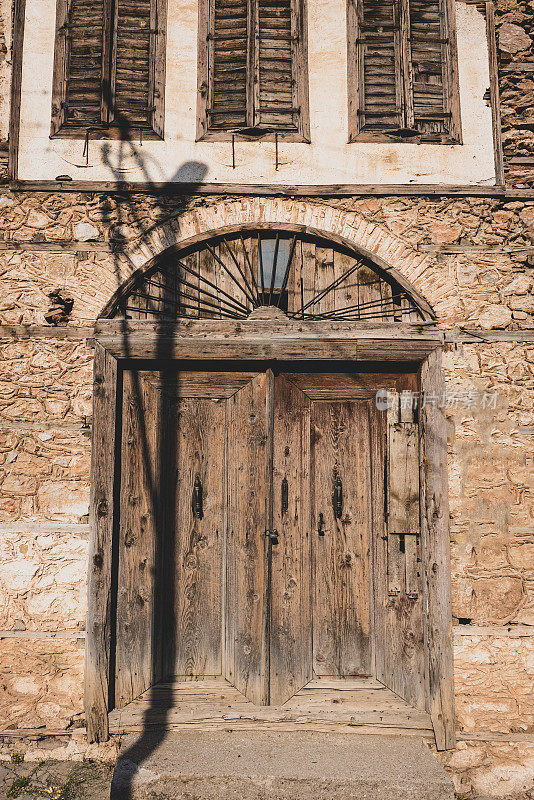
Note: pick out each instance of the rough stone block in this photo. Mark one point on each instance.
(42, 683)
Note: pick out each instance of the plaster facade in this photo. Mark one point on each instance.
(329, 159)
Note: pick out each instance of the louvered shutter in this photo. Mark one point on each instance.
(401, 57)
(109, 66)
(253, 77)
(402, 500)
(277, 39)
(428, 45)
(379, 57)
(133, 63)
(228, 47)
(76, 100)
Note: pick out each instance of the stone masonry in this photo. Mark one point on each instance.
(45, 414)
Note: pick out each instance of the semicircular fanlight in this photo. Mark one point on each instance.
(228, 276)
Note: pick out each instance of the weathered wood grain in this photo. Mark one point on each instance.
(341, 574)
(436, 554)
(198, 426)
(102, 520)
(246, 660)
(137, 567)
(290, 634)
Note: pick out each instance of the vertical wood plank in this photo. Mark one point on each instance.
(324, 276)
(340, 448)
(158, 65)
(398, 619)
(346, 293)
(198, 425)
(59, 80)
(246, 661)
(494, 94)
(103, 477)
(402, 494)
(436, 554)
(290, 640)
(137, 541)
(204, 65)
(19, 18)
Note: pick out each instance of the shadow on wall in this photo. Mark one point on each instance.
(130, 214)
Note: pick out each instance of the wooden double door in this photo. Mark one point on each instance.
(251, 542)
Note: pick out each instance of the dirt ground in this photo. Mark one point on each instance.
(55, 780)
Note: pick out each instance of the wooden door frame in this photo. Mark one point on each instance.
(120, 342)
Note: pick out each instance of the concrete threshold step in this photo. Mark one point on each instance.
(266, 765)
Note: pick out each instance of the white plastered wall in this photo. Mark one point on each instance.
(329, 159)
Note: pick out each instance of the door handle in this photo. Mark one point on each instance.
(338, 498)
(198, 510)
(285, 495)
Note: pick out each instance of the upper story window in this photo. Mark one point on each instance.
(109, 68)
(402, 71)
(253, 76)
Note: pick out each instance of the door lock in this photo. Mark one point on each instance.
(273, 536)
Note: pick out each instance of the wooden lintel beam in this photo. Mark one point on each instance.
(270, 190)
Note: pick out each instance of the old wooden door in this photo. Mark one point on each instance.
(247, 507)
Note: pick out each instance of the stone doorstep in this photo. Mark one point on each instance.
(266, 765)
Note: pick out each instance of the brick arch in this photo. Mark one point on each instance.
(410, 267)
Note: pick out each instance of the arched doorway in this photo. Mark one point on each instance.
(264, 448)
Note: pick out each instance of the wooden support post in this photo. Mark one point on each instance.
(436, 552)
(99, 615)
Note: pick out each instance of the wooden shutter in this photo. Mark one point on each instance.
(76, 100)
(402, 70)
(109, 66)
(252, 67)
(428, 37)
(402, 500)
(378, 56)
(228, 57)
(276, 101)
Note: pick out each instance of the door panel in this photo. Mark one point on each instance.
(198, 425)
(137, 540)
(246, 662)
(340, 451)
(290, 639)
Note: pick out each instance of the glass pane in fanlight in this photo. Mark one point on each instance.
(267, 251)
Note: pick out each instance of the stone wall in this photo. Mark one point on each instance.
(515, 39)
(45, 413)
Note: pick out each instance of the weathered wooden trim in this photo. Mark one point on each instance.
(59, 247)
(435, 552)
(494, 92)
(19, 16)
(453, 78)
(102, 516)
(448, 249)
(512, 631)
(482, 336)
(63, 528)
(452, 335)
(270, 190)
(45, 332)
(264, 340)
(45, 425)
(517, 66)
(67, 634)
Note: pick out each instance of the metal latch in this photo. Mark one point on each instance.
(273, 536)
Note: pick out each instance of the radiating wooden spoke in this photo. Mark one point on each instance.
(227, 277)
